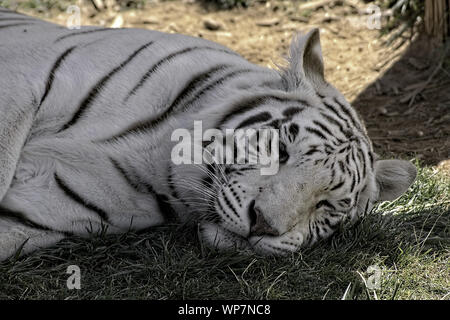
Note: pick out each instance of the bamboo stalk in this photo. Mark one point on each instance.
(437, 18)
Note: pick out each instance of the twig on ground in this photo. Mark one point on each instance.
(97, 4)
(317, 4)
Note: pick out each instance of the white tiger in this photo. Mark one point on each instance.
(85, 123)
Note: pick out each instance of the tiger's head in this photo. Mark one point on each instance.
(327, 173)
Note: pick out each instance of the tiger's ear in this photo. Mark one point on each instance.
(393, 178)
(306, 61)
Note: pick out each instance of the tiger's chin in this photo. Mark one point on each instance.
(220, 238)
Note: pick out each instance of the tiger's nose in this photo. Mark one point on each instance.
(258, 225)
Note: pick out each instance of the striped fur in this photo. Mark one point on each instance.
(85, 144)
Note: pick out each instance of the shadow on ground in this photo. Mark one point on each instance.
(420, 128)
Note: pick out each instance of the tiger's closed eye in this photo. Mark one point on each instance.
(324, 203)
(283, 154)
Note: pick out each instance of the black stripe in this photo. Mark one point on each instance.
(291, 111)
(323, 127)
(173, 189)
(329, 149)
(309, 238)
(82, 33)
(357, 198)
(125, 175)
(166, 59)
(334, 214)
(22, 219)
(14, 25)
(195, 83)
(344, 149)
(207, 182)
(260, 117)
(338, 124)
(99, 86)
(366, 206)
(189, 88)
(348, 113)
(337, 113)
(294, 130)
(78, 199)
(217, 83)
(333, 121)
(317, 229)
(221, 208)
(316, 132)
(363, 190)
(340, 184)
(371, 160)
(311, 151)
(162, 201)
(51, 76)
(236, 196)
(333, 174)
(142, 186)
(276, 124)
(353, 183)
(165, 208)
(357, 167)
(243, 107)
(341, 166)
(142, 126)
(229, 204)
(364, 163)
(327, 204)
(251, 103)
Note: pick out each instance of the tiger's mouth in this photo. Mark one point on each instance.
(257, 226)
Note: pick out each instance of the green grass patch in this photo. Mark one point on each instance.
(407, 242)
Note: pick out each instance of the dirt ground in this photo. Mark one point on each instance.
(379, 80)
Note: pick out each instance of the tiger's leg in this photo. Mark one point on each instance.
(220, 238)
(18, 236)
(17, 111)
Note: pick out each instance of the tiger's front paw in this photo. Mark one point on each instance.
(222, 239)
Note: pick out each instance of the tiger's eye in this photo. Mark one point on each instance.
(322, 203)
(283, 154)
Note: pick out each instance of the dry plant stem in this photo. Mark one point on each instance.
(437, 18)
(98, 5)
(316, 4)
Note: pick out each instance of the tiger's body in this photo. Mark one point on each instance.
(85, 127)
